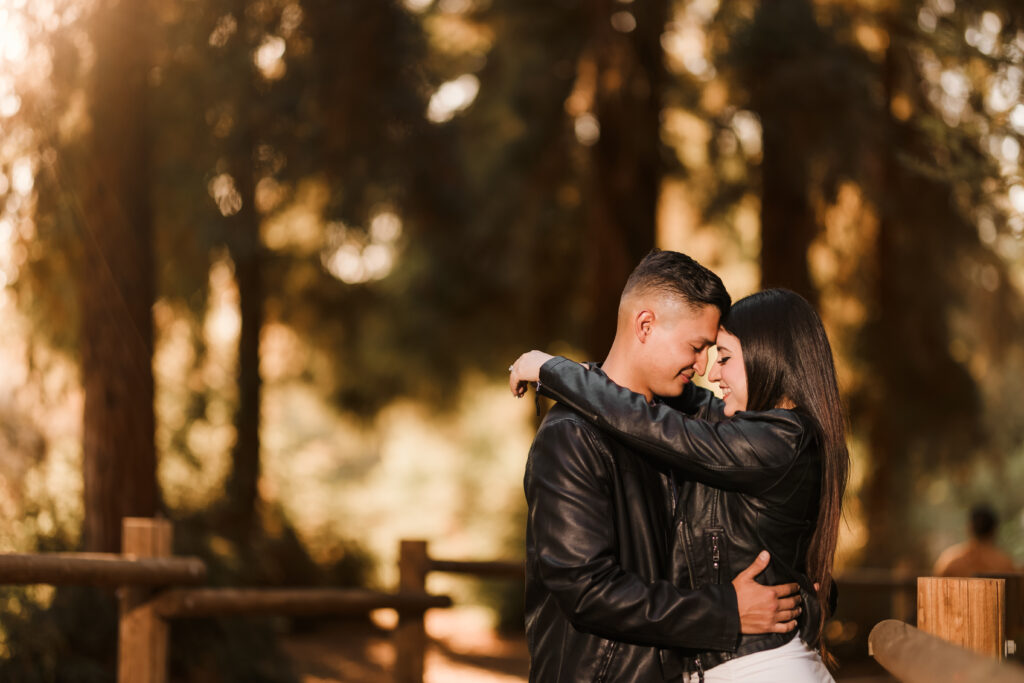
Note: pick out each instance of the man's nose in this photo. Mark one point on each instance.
(702, 363)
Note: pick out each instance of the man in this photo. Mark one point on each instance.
(980, 554)
(599, 602)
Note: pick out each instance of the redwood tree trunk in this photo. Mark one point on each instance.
(627, 161)
(242, 485)
(781, 81)
(118, 450)
(243, 241)
(787, 218)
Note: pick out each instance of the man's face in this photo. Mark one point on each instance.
(677, 346)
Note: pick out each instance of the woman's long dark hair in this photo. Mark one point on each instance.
(786, 354)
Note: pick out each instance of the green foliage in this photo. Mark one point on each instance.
(73, 640)
(245, 649)
(273, 557)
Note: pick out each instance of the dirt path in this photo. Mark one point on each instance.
(464, 649)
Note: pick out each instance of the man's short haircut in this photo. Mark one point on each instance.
(983, 521)
(678, 275)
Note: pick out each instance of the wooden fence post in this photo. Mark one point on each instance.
(411, 634)
(1014, 614)
(1014, 617)
(968, 612)
(142, 634)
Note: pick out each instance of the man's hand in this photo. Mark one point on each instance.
(765, 609)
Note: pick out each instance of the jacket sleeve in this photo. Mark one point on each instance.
(697, 401)
(571, 526)
(748, 452)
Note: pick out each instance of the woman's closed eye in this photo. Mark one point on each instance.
(722, 359)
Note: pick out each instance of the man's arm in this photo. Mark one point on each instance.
(570, 521)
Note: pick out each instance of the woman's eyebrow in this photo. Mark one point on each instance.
(722, 348)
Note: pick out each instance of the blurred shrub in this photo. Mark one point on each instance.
(73, 640)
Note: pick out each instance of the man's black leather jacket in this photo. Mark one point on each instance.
(600, 601)
(749, 483)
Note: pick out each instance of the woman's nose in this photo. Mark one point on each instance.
(714, 374)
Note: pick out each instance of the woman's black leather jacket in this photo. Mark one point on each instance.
(747, 483)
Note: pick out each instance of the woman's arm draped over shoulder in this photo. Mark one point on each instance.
(746, 453)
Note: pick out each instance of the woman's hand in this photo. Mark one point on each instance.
(526, 369)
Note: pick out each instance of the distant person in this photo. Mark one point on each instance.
(980, 554)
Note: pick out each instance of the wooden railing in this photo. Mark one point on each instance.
(913, 656)
(966, 628)
(414, 563)
(150, 593)
(154, 587)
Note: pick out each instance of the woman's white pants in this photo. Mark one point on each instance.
(794, 662)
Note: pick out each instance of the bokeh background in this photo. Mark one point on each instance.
(263, 264)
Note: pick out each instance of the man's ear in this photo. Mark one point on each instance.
(643, 324)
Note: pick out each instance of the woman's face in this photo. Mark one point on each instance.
(728, 372)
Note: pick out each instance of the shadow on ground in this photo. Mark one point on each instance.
(464, 648)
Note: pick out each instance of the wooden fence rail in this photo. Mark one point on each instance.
(497, 568)
(414, 563)
(913, 656)
(206, 602)
(145, 575)
(99, 569)
(153, 588)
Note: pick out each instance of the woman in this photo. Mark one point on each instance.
(765, 468)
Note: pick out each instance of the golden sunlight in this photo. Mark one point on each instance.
(13, 38)
(453, 97)
(269, 57)
(354, 258)
(190, 480)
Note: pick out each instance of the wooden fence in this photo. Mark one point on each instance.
(913, 656)
(985, 615)
(414, 563)
(153, 588)
(966, 629)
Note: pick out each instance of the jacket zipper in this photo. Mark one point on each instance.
(682, 522)
(602, 674)
(716, 558)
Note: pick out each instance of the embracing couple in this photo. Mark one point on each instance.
(672, 535)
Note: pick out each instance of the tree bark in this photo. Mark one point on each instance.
(243, 481)
(627, 161)
(243, 241)
(117, 288)
(788, 226)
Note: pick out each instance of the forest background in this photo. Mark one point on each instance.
(263, 263)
